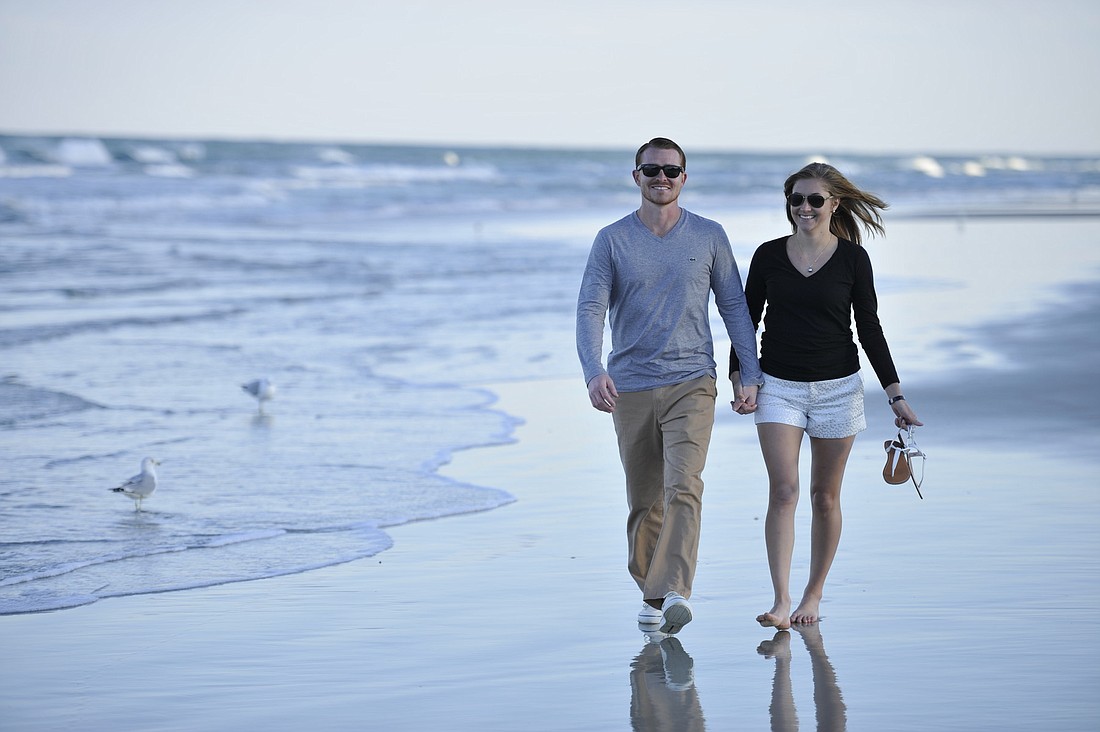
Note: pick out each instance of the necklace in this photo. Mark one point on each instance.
(814, 263)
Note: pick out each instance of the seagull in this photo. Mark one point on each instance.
(262, 389)
(142, 485)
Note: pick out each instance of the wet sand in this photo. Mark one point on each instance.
(968, 610)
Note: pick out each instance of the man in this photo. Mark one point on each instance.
(654, 271)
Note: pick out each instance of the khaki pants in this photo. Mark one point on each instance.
(663, 437)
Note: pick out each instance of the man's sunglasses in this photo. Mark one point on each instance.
(650, 170)
(816, 199)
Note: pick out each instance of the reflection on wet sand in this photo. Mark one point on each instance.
(662, 688)
(832, 714)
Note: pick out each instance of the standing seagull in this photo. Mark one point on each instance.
(262, 389)
(142, 485)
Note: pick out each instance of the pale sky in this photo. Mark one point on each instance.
(927, 76)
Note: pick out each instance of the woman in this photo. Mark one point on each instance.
(812, 283)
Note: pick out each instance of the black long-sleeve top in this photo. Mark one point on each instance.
(808, 324)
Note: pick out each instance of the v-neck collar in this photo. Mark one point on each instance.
(816, 268)
(677, 225)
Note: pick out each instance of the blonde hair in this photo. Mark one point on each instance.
(858, 210)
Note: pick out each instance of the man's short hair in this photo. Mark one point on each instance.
(661, 143)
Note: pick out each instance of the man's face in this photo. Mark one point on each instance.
(660, 189)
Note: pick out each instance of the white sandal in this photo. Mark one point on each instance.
(900, 453)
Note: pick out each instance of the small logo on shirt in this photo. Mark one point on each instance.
(691, 259)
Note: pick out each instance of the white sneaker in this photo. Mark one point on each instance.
(675, 613)
(649, 615)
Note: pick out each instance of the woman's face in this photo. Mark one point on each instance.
(805, 215)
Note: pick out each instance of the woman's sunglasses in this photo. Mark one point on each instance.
(650, 170)
(816, 199)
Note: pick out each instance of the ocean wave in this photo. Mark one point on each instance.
(192, 151)
(151, 155)
(88, 207)
(336, 155)
(169, 170)
(139, 551)
(159, 162)
(36, 171)
(62, 569)
(244, 536)
(36, 333)
(80, 152)
(219, 561)
(378, 175)
(21, 403)
(927, 165)
(44, 601)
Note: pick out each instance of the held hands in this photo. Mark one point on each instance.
(744, 398)
(602, 393)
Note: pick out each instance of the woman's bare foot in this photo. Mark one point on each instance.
(807, 611)
(778, 617)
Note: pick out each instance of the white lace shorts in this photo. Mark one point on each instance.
(829, 409)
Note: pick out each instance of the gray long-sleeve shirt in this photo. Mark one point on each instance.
(657, 290)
